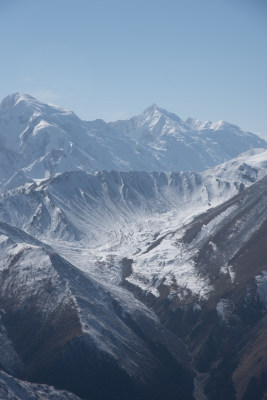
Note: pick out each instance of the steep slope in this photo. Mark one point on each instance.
(86, 256)
(15, 389)
(71, 331)
(224, 320)
(189, 145)
(40, 140)
(46, 139)
(97, 219)
(203, 274)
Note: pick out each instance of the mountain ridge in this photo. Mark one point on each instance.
(43, 140)
(121, 282)
(199, 274)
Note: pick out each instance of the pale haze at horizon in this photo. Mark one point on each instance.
(111, 59)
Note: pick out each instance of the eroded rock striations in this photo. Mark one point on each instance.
(122, 284)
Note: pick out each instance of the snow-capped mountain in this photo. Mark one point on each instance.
(117, 282)
(99, 218)
(136, 234)
(39, 140)
(96, 220)
(189, 145)
(95, 208)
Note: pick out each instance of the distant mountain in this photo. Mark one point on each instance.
(39, 140)
(189, 145)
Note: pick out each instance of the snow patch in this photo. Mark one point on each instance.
(224, 309)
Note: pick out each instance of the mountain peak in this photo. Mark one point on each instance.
(14, 98)
(152, 108)
(155, 109)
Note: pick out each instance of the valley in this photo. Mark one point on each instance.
(152, 282)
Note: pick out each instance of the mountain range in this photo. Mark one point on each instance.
(39, 140)
(133, 257)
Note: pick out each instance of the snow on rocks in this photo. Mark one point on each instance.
(96, 219)
(42, 140)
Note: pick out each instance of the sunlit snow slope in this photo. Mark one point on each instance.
(96, 220)
(124, 274)
(39, 140)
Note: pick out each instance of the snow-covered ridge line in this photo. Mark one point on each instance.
(95, 219)
(40, 140)
(76, 203)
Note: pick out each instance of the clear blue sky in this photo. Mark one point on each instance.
(111, 59)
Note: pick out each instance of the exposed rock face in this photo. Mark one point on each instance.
(130, 285)
(15, 389)
(60, 326)
(225, 330)
(70, 331)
